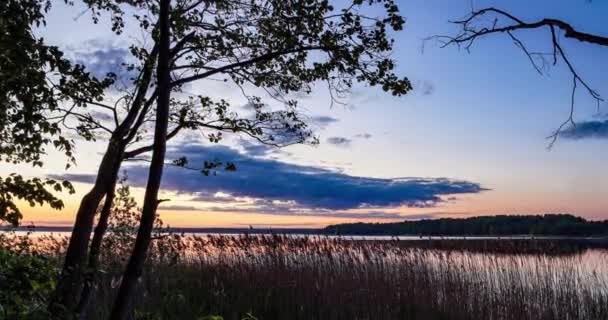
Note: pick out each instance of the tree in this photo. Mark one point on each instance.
(500, 225)
(279, 46)
(490, 21)
(142, 242)
(35, 80)
(122, 229)
(36, 83)
(131, 112)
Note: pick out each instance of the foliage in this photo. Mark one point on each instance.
(541, 225)
(280, 48)
(211, 318)
(26, 282)
(34, 191)
(248, 316)
(151, 316)
(35, 82)
(123, 225)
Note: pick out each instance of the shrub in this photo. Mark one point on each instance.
(26, 281)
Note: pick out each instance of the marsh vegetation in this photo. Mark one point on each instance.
(289, 277)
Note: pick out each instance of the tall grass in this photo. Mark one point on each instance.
(285, 277)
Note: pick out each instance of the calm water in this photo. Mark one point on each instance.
(354, 237)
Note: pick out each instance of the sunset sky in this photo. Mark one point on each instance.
(471, 138)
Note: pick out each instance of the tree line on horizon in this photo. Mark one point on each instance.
(499, 225)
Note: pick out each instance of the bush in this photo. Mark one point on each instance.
(26, 282)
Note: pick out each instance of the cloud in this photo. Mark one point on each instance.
(597, 129)
(323, 121)
(363, 135)
(428, 88)
(74, 177)
(276, 187)
(340, 141)
(278, 208)
(213, 197)
(344, 142)
(425, 87)
(257, 149)
(177, 208)
(101, 57)
(101, 116)
(286, 211)
(280, 225)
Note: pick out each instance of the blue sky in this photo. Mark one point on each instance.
(481, 118)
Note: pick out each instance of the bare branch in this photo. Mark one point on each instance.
(474, 26)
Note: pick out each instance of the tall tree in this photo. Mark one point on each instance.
(279, 46)
(131, 112)
(142, 242)
(264, 63)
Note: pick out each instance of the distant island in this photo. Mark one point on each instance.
(499, 225)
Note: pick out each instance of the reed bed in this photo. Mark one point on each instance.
(287, 277)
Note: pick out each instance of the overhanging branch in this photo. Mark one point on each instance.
(476, 25)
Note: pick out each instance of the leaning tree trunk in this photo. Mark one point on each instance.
(95, 250)
(134, 269)
(70, 283)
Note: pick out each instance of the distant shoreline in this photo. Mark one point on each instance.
(324, 232)
(304, 231)
(546, 225)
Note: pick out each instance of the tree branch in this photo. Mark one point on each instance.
(474, 26)
(138, 151)
(261, 58)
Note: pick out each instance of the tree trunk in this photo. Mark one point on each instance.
(70, 282)
(122, 305)
(95, 251)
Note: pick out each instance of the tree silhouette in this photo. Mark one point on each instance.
(281, 47)
(501, 225)
(35, 82)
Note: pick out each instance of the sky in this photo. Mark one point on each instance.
(470, 139)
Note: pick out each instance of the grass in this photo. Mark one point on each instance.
(283, 277)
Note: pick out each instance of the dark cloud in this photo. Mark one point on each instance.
(268, 207)
(420, 216)
(292, 208)
(340, 141)
(363, 135)
(597, 129)
(212, 197)
(257, 149)
(428, 88)
(250, 106)
(323, 121)
(101, 58)
(425, 87)
(74, 177)
(286, 188)
(280, 225)
(101, 116)
(287, 211)
(178, 208)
